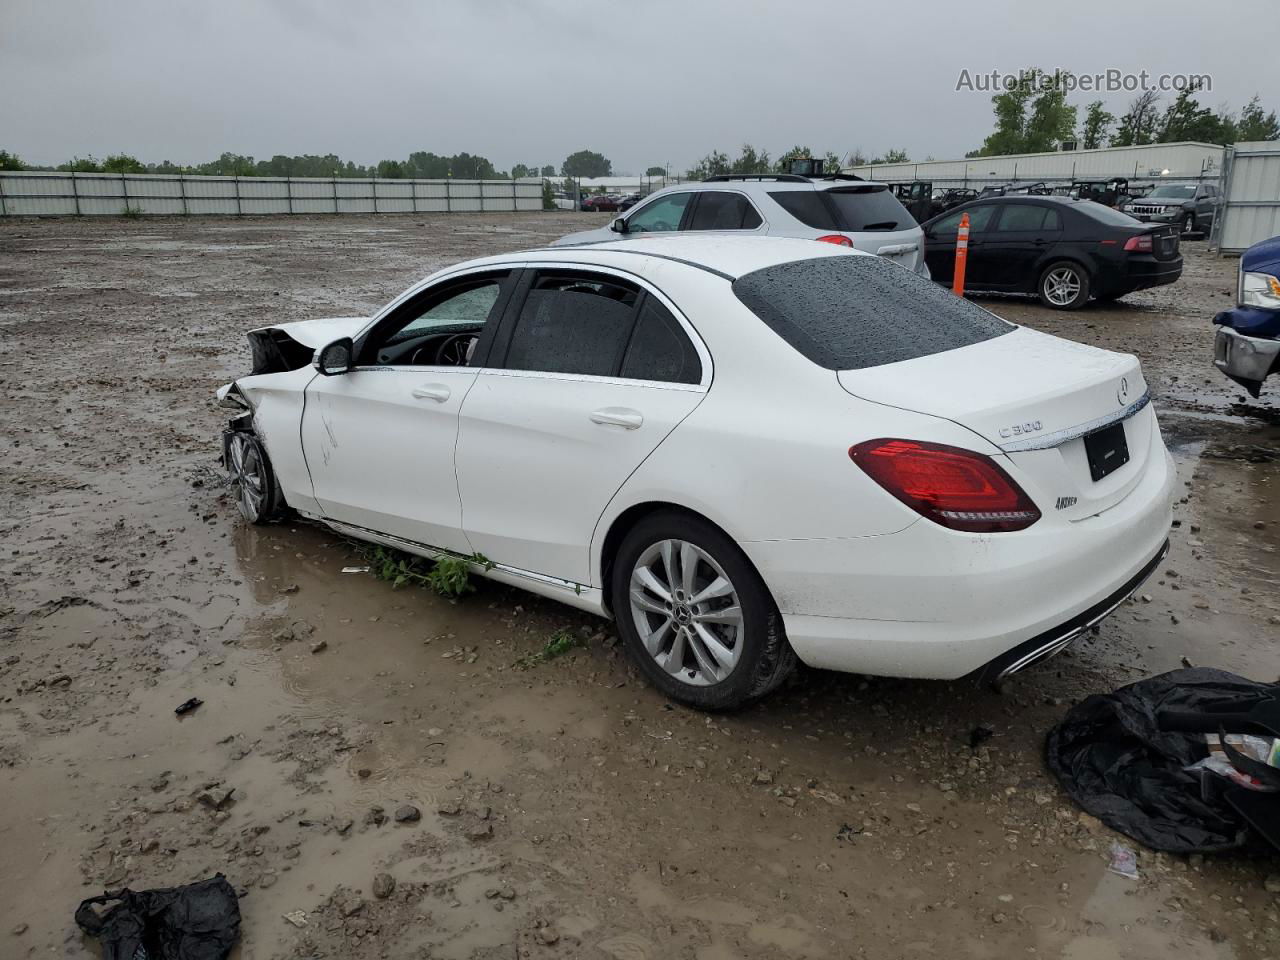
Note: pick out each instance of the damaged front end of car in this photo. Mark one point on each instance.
(260, 448)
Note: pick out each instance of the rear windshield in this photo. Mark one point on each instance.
(856, 209)
(851, 312)
(1107, 215)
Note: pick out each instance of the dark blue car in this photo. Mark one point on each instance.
(1247, 346)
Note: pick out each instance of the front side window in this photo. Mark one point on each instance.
(661, 215)
(722, 210)
(440, 325)
(573, 322)
(979, 219)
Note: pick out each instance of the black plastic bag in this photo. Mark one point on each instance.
(1111, 756)
(200, 921)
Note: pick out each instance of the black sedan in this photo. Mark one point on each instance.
(1063, 250)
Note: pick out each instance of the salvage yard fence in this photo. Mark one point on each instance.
(1250, 209)
(32, 193)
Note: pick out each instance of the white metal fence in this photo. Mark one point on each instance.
(1250, 209)
(42, 194)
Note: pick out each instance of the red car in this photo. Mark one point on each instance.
(602, 202)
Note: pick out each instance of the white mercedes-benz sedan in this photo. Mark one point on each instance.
(745, 450)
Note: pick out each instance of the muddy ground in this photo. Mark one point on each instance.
(563, 809)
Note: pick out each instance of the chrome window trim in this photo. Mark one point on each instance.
(1060, 437)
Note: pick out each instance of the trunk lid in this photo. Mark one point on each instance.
(1037, 398)
(1164, 241)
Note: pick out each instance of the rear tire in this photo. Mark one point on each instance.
(258, 495)
(1064, 285)
(712, 636)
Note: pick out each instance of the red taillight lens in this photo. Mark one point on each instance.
(837, 238)
(1139, 244)
(951, 486)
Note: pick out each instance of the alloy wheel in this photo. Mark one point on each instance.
(1061, 286)
(687, 612)
(247, 475)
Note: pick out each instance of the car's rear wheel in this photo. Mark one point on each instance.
(695, 615)
(253, 481)
(1064, 286)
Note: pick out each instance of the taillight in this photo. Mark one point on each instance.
(836, 238)
(951, 486)
(1139, 244)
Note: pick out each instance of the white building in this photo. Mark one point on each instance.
(1158, 160)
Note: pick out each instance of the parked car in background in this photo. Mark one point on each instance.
(1247, 345)
(923, 489)
(601, 202)
(562, 200)
(1191, 206)
(1065, 251)
(629, 201)
(833, 208)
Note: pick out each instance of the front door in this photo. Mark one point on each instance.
(589, 374)
(379, 439)
(940, 245)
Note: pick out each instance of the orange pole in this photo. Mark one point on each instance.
(962, 256)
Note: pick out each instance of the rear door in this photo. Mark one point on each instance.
(1019, 238)
(591, 372)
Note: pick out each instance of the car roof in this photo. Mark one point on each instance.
(769, 186)
(725, 255)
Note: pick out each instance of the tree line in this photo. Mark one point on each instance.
(752, 161)
(1034, 116)
(420, 165)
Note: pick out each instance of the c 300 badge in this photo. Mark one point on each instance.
(1021, 429)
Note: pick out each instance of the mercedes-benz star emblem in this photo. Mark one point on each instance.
(1122, 394)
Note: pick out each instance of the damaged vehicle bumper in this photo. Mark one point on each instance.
(1246, 360)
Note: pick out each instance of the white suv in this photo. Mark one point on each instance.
(836, 208)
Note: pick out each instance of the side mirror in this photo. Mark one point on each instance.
(335, 358)
(619, 225)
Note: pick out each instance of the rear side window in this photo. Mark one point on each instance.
(851, 312)
(573, 323)
(856, 209)
(660, 349)
(722, 210)
(1026, 216)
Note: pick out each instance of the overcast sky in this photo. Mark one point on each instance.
(650, 82)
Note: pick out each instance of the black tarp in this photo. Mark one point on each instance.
(199, 921)
(1111, 756)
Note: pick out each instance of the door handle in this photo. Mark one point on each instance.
(432, 391)
(623, 417)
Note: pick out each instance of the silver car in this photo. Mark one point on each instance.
(835, 208)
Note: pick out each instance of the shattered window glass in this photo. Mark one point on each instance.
(854, 312)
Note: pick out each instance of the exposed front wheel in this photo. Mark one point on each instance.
(252, 480)
(695, 615)
(1188, 224)
(1064, 286)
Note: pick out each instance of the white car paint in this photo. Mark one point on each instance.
(904, 246)
(533, 469)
